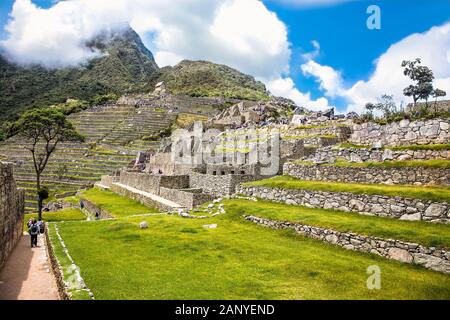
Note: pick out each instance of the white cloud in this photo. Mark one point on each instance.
(329, 79)
(312, 3)
(243, 34)
(285, 87)
(432, 46)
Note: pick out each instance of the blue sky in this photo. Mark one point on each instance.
(348, 49)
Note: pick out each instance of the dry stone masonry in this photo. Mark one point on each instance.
(12, 208)
(413, 253)
(359, 155)
(383, 175)
(382, 206)
(402, 133)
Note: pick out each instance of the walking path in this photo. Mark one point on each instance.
(27, 274)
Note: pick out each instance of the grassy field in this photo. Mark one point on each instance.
(177, 258)
(69, 214)
(437, 235)
(115, 204)
(434, 193)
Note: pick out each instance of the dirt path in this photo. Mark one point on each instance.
(27, 274)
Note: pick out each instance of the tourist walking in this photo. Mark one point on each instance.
(41, 226)
(34, 231)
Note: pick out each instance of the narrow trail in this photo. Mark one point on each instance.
(27, 274)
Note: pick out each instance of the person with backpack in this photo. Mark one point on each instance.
(41, 226)
(34, 231)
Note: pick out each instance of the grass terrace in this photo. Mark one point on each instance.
(325, 136)
(69, 214)
(433, 193)
(434, 235)
(115, 204)
(177, 258)
(415, 147)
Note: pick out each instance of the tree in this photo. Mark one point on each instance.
(385, 104)
(42, 130)
(423, 76)
(437, 93)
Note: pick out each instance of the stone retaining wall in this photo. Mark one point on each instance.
(151, 183)
(341, 132)
(383, 206)
(93, 211)
(402, 133)
(383, 175)
(141, 198)
(331, 154)
(413, 253)
(12, 210)
(218, 185)
(189, 198)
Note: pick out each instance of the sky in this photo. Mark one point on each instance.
(319, 53)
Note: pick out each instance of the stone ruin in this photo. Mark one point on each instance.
(12, 210)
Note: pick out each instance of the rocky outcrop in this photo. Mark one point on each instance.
(382, 206)
(412, 253)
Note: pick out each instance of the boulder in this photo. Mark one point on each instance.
(435, 210)
(400, 255)
(143, 225)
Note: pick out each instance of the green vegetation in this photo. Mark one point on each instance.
(184, 120)
(114, 204)
(177, 258)
(323, 126)
(68, 271)
(311, 136)
(423, 147)
(425, 233)
(127, 67)
(435, 193)
(69, 214)
(347, 145)
(206, 79)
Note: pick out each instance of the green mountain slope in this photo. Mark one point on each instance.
(126, 66)
(202, 78)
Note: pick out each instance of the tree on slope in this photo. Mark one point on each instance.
(42, 131)
(423, 76)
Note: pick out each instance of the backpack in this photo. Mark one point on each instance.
(34, 230)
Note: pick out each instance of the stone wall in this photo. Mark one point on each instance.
(402, 133)
(331, 154)
(12, 210)
(189, 198)
(342, 132)
(428, 257)
(93, 211)
(218, 185)
(383, 206)
(147, 201)
(151, 183)
(384, 175)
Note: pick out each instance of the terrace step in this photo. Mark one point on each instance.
(146, 198)
(429, 205)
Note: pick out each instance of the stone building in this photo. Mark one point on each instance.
(12, 210)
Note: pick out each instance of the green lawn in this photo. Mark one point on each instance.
(428, 234)
(434, 193)
(115, 204)
(177, 258)
(69, 214)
